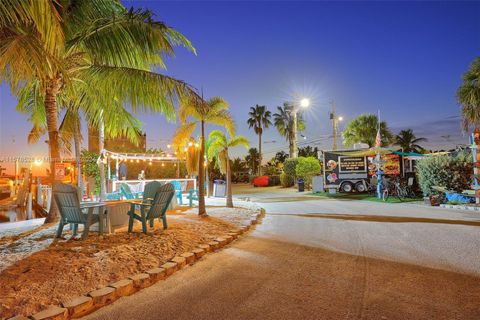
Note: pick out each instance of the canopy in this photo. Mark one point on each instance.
(366, 153)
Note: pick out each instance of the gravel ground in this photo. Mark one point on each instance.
(37, 270)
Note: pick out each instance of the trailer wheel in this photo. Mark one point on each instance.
(360, 187)
(346, 187)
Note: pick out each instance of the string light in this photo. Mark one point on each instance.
(163, 164)
(190, 144)
(150, 163)
(168, 146)
(131, 160)
(138, 161)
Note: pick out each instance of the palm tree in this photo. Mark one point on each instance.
(363, 129)
(409, 142)
(219, 149)
(118, 122)
(259, 119)
(284, 122)
(195, 111)
(252, 160)
(87, 54)
(468, 95)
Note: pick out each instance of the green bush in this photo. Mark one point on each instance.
(286, 180)
(306, 168)
(452, 173)
(289, 166)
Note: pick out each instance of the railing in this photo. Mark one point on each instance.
(44, 196)
(139, 185)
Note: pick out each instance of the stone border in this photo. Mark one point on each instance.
(96, 299)
(459, 207)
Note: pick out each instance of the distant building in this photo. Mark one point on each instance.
(119, 144)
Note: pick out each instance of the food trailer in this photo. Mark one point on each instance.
(351, 170)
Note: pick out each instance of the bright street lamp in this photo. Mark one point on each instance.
(304, 103)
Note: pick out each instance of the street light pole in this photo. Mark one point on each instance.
(304, 103)
(294, 151)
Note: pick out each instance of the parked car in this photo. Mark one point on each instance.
(261, 181)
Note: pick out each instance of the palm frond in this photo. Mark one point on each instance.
(42, 15)
(183, 133)
(130, 39)
(222, 118)
(141, 89)
(239, 141)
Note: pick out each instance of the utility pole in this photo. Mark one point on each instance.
(333, 117)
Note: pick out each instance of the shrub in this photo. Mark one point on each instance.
(306, 168)
(289, 167)
(452, 173)
(286, 180)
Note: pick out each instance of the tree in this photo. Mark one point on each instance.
(468, 96)
(363, 129)
(219, 148)
(253, 160)
(259, 119)
(238, 165)
(409, 142)
(284, 122)
(95, 55)
(193, 111)
(306, 168)
(308, 151)
(280, 157)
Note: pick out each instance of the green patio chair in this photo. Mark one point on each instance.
(150, 190)
(127, 193)
(150, 211)
(178, 191)
(192, 195)
(71, 212)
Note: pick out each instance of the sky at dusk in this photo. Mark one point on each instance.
(404, 58)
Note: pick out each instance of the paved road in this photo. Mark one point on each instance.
(328, 259)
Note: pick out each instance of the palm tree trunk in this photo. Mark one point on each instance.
(201, 175)
(207, 179)
(76, 141)
(260, 154)
(294, 136)
(229, 184)
(51, 92)
(101, 146)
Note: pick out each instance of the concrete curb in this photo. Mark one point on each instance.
(96, 299)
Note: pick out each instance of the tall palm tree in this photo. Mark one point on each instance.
(363, 129)
(87, 53)
(259, 119)
(196, 111)
(409, 142)
(468, 95)
(219, 147)
(284, 122)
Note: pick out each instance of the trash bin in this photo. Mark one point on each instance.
(301, 185)
(219, 188)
